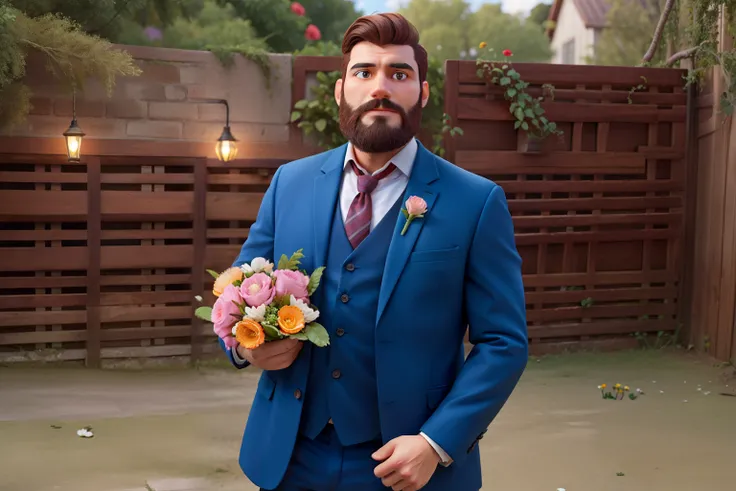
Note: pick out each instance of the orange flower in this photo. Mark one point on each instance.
(228, 277)
(291, 319)
(249, 333)
(482, 45)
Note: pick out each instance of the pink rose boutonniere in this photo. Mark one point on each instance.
(416, 207)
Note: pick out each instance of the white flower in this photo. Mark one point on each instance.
(246, 269)
(310, 315)
(198, 298)
(257, 314)
(257, 265)
(85, 433)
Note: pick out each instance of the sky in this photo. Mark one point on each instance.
(509, 6)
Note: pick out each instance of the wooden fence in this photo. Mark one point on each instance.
(598, 217)
(104, 259)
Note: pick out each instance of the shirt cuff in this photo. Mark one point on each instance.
(445, 459)
(236, 356)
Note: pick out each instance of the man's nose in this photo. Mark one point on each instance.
(381, 89)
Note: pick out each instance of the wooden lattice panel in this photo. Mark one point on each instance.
(598, 215)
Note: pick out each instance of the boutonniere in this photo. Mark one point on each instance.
(416, 207)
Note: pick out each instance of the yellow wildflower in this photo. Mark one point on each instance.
(482, 45)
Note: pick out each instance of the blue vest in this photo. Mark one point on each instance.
(342, 377)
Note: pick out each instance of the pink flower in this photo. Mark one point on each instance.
(416, 206)
(312, 33)
(225, 313)
(298, 8)
(507, 52)
(290, 282)
(257, 290)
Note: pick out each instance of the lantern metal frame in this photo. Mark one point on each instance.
(74, 131)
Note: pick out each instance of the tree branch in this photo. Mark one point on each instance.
(658, 32)
(685, 53)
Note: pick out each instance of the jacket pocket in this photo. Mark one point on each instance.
(435, 255)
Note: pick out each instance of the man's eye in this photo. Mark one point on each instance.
(362, 74)
(400, 75)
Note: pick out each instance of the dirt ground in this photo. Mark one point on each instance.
(555, 432)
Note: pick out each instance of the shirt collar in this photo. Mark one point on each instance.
(404, 160)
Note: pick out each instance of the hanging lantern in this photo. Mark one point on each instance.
(226, 147)
(73, 135)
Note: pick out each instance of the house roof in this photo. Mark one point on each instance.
(593, 13)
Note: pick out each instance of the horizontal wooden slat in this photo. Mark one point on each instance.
(561, 75)
(42, 235)
(512, 162)
(145, 279)
(587, 186)
(601, 327)
(42, 281)
(16, 338)
(141, 205)
(32, 318)
(44, 177)
(475, 109)
(143, 298)
(32, 301)
(598, 236)
(227, 233)
(601, 295)
(606, 311)
(169, 178)
(604, 219)
(127, 314)
(135, 333)
(621, 96)
(43, 258)
(252, 162)
(60, 205)
(148, 234)
(598, 278)
(578, 204)
(138, 257)
(219, 257)
(243, 179)
(233, 206)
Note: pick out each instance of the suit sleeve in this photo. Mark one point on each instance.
(258, 244)
(496, 314)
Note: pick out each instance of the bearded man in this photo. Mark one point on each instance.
(392, 402)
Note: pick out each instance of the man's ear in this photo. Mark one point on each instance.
(425, 93)
(338, 90)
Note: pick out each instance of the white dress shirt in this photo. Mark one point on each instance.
(383, 197)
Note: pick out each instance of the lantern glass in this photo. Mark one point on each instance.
(73, 137)
(226, 148)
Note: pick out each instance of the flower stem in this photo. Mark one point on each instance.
(406, 225)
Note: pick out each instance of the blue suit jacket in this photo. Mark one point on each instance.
(456, 268)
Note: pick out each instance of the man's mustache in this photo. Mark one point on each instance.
(379, 104)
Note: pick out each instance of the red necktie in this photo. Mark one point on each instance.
(358, 221)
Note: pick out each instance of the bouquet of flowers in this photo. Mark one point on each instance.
(257, 304)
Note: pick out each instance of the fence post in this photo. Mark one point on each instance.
(199, 226)
(452, 86)
(94, 244)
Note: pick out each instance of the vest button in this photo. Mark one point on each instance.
(336, 374)
(350, 267)
(345, 298)
(340, 331)
(297, 393)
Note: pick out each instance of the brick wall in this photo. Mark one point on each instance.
(161, 103)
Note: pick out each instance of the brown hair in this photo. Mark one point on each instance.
(383, 29)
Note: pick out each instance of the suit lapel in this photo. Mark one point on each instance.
(423, 174)
(325, 193)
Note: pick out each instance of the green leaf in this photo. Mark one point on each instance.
(519, 113)
(295, 115)
(214, 274)
(292, 262)
(511, 92)
(301, 336)
(301, 104)
(204, 313)
(517, 124)
(271, 331)
(459, 131)
(505, 81)
(529, 113)
(321, 124)
(513, 74)
(314, 280)
(524, 126)
(313, 104)
(317, 334)
(538, 110)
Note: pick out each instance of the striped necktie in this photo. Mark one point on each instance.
(358, 221)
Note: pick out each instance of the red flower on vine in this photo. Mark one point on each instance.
(298, 8)
(312, 33)
(507, 52)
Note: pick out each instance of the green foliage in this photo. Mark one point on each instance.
(527, 110)
(317, 334)
(333, 17)
(71, 55)
(319, 115)
(320, 48)
(540, 13)
(314, 280)
(204, 313)
(450, 29)
(273, 21)
(292, 262)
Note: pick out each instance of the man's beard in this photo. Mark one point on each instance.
(379, 137)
